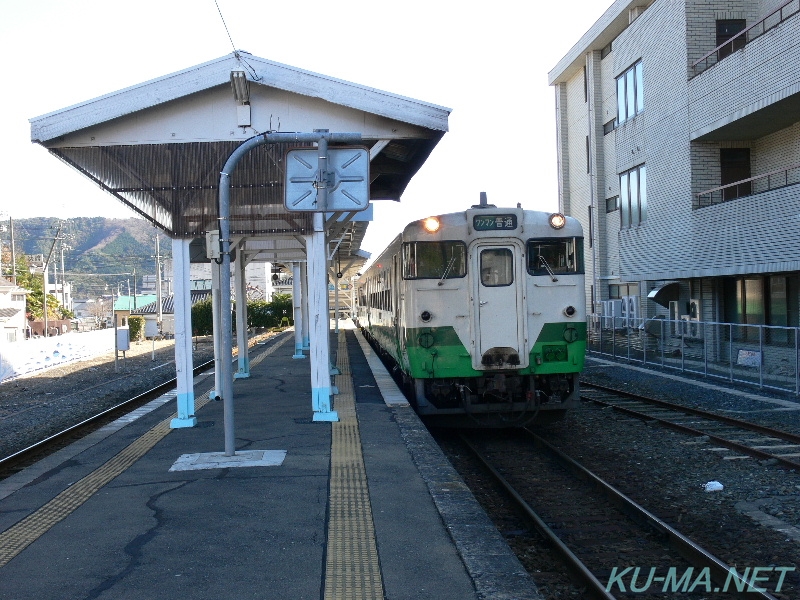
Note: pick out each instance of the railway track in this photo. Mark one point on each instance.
(22, 458)
(611, 544)
(747, 439)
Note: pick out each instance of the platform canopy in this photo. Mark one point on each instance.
(159, 146)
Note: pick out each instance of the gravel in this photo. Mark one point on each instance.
(754, 521)
(37, 406)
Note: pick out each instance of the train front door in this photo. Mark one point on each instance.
(498, 283)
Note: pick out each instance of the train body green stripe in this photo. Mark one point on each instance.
(428, 352)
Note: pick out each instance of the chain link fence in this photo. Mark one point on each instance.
(760, 355)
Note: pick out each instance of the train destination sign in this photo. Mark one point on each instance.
(494, 222)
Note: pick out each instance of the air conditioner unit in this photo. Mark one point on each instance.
(631, 309)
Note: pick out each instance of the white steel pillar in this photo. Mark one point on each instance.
(304, 296)
(183, 335)
(215, 316)
(240, 283)
(297, 311)
(319, 328)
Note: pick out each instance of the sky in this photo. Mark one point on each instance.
(487, 62)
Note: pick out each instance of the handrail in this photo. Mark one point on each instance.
(744, 33)
(709, 194)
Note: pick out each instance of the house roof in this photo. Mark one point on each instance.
(168, 303)
(159, 146)
(127, 302)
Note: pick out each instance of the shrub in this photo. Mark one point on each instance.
(136, 326)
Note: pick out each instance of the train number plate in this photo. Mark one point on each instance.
(494, 222)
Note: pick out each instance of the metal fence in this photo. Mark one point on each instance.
(765, 356)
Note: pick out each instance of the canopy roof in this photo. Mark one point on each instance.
(159, 146)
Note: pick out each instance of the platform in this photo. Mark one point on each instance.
(367, 507)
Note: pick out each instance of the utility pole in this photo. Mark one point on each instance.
(44, 274)
(159, 315)
(13, 253)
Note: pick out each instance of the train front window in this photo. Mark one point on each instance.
(555, 256)
(434, 260)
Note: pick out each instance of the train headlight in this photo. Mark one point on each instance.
(425, 316)
(431, 224)
(570, 311)
(557, 220)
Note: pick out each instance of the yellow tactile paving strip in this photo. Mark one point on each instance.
(353, 570)
(19, 536)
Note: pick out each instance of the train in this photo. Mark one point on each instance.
(481, 315)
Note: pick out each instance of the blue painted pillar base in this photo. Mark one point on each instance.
(321, 403)
(186, 416)
(334, 390)
(214, 394)
(241, 375)
(334, 370)
(327, 417)
(299, 355)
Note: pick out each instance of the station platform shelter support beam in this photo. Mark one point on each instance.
(241, 315)
(304, 303)
(297, 311)
(317, 300)
(183, 336)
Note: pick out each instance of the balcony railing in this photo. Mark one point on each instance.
(748, 187)
(744, 37)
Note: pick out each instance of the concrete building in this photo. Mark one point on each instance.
(678, 135)
(12, 311)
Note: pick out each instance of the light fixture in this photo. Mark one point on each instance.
(557, 220)
(241, 93)
(240, 85)
(431, 224)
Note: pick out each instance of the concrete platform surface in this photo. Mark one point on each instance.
(137, 510)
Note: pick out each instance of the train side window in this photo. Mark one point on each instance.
(497, 267)
(434, 260)
(556, 255)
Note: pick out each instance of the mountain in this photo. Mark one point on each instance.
(99, 255)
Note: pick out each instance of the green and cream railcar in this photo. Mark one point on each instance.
(482, 314)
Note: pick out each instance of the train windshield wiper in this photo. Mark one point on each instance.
(546, 266)
(447, 269)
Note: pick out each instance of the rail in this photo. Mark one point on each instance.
(748, 187)
(747, 35)
(764, 356)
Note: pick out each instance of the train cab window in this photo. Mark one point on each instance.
(434, 260)
(497, 267)
(555, 256)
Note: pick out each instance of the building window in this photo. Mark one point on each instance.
(612, 204)
(734, 165)
(727, 29)
(609, 127)
(770, 300)
(630, 93)
(606, 50)
(617, 291)
(588, 157)
(585, 85)
(633, 196)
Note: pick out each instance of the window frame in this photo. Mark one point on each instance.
(577, 251)
(452, 274)
(633, 211)
(630, 92)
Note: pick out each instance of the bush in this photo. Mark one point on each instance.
(202, 323)
(136, 326)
